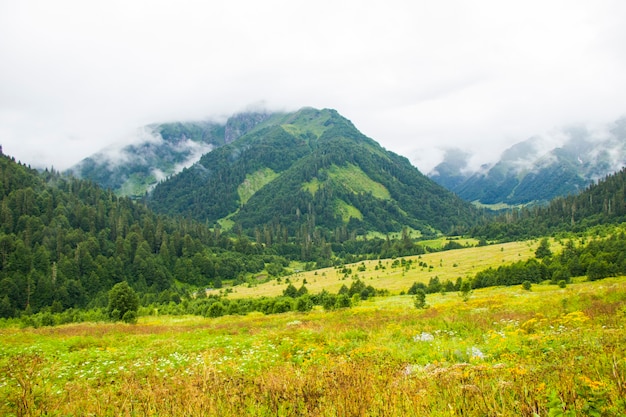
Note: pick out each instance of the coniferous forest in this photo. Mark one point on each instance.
(64, 243)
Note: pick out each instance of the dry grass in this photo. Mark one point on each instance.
(505, 352)
(447, 265)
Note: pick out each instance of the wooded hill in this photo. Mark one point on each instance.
(310, 172)
(65, 242)
(160, 150)
(603, 202)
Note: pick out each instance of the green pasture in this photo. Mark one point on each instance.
(384, 274)
(504, 352)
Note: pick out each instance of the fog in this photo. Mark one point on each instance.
(419, 77)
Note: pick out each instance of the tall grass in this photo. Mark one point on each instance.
(505, 352)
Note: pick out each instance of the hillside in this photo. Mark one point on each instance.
(307, 171)
(159, 151)
(534, 171)
(600, 203)
(65, 242)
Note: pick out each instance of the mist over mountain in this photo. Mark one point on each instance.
(300, 172)
(160, 150)
(537, 169)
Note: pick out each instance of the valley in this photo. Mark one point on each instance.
(300, 269)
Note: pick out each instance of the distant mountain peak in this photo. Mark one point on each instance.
(539, 168)
(241, 123)
(160, 150)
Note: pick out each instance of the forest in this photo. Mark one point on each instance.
(304, 196)
(603, 202)
(64, 243)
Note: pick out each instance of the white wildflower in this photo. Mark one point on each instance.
(474, 352)
(424, 337)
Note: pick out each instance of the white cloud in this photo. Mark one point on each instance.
(413, 75)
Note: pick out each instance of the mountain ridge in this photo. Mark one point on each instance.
(309, 153)
(530, 172)
(161, 150)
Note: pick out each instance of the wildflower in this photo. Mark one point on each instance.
(594, 385)
(470, 388)
(424, 337)
(474, 352)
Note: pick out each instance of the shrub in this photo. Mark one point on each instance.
(304, 303)
(216, 310)
(419, 300)
(122, 300)
(343, 301)
(465, 290)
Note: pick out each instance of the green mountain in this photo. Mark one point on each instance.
(65, 242)
(309, 171)
(159, 151)
(532, 171)
(600, 203)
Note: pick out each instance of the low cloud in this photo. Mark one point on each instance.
(416, 76)
(121, 152)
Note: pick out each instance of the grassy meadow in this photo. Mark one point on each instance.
(396, 278)
(504, 352)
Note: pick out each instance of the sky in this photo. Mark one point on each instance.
(417, 76)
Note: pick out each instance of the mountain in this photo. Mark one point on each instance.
(603, 202)
(65, 242)
(534, 172)
(308, 171)
(159, 151)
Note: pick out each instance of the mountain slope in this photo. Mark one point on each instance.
(603, 202)
(65, 242)
(307, 170)
(159, 151)
(529, 173)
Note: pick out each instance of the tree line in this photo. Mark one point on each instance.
(65, 242)
(603, 202)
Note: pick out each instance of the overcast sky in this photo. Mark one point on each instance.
(417, 76)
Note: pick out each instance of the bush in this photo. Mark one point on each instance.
(465, 290)
(304, 303)
(526, 285)
(343, 301)
(130, 317)
(419, 300)
(216, 310)
(123, 300)
(329, 301)
(282, 306)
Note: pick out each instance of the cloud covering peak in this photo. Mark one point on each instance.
(413, 75)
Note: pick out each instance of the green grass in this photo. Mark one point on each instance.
(347, 211)
(352, 178)
(254, 182)
(357, 181)
(312, 186)
(504, 352)
(447, 265)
